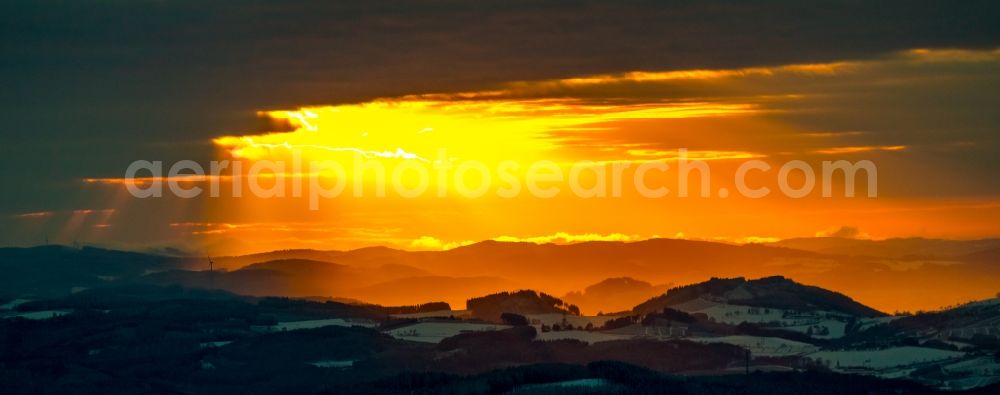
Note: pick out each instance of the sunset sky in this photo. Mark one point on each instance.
(901, 84)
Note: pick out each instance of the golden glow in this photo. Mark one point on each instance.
(566, 238)
(38, 214)
(854, 150)
(487, 131)
(887, 110)
(664, 155)
(431, 243)
(952, 55)
(599, 119)
(529, 88)
(723, 116)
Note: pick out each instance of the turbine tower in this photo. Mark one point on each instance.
(211, 273)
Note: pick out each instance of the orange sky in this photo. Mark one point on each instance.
(807, 112)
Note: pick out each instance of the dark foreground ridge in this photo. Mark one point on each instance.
(148, 339)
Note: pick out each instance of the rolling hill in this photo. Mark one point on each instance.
(770, 292)
(57, 270)
(913, 247)
(887, 284)
(614, 294)
(385, 274)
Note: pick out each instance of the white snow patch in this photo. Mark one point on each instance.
(435, 314)
(333, 364)
(39, 315)
(311, 324)
(584, 336)
(214, 344)
(886, 358)
(762, 346)
(14, 303)
(866, 323)
(434, 332)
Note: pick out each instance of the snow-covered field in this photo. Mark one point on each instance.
(584, 336)
(310, 324)
(435, 314)
(971, 373)
(883, 359)
(434, 332)
(214, 344)
(729, 313)
(970, 382)
(14, 303)
(984, 366)
(823, 324)
(567, 385)
(333, 364)
(39, 315)
(762, 346)
(866, 323)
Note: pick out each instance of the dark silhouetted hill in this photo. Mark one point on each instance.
(58, 270)
(451, 289)
(490, 307)
(614, 294)
(772, 292)
(914, 247)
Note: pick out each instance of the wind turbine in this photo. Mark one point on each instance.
(211, 273)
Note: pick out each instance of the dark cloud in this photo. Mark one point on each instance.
(89, 87)
(240, 54)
